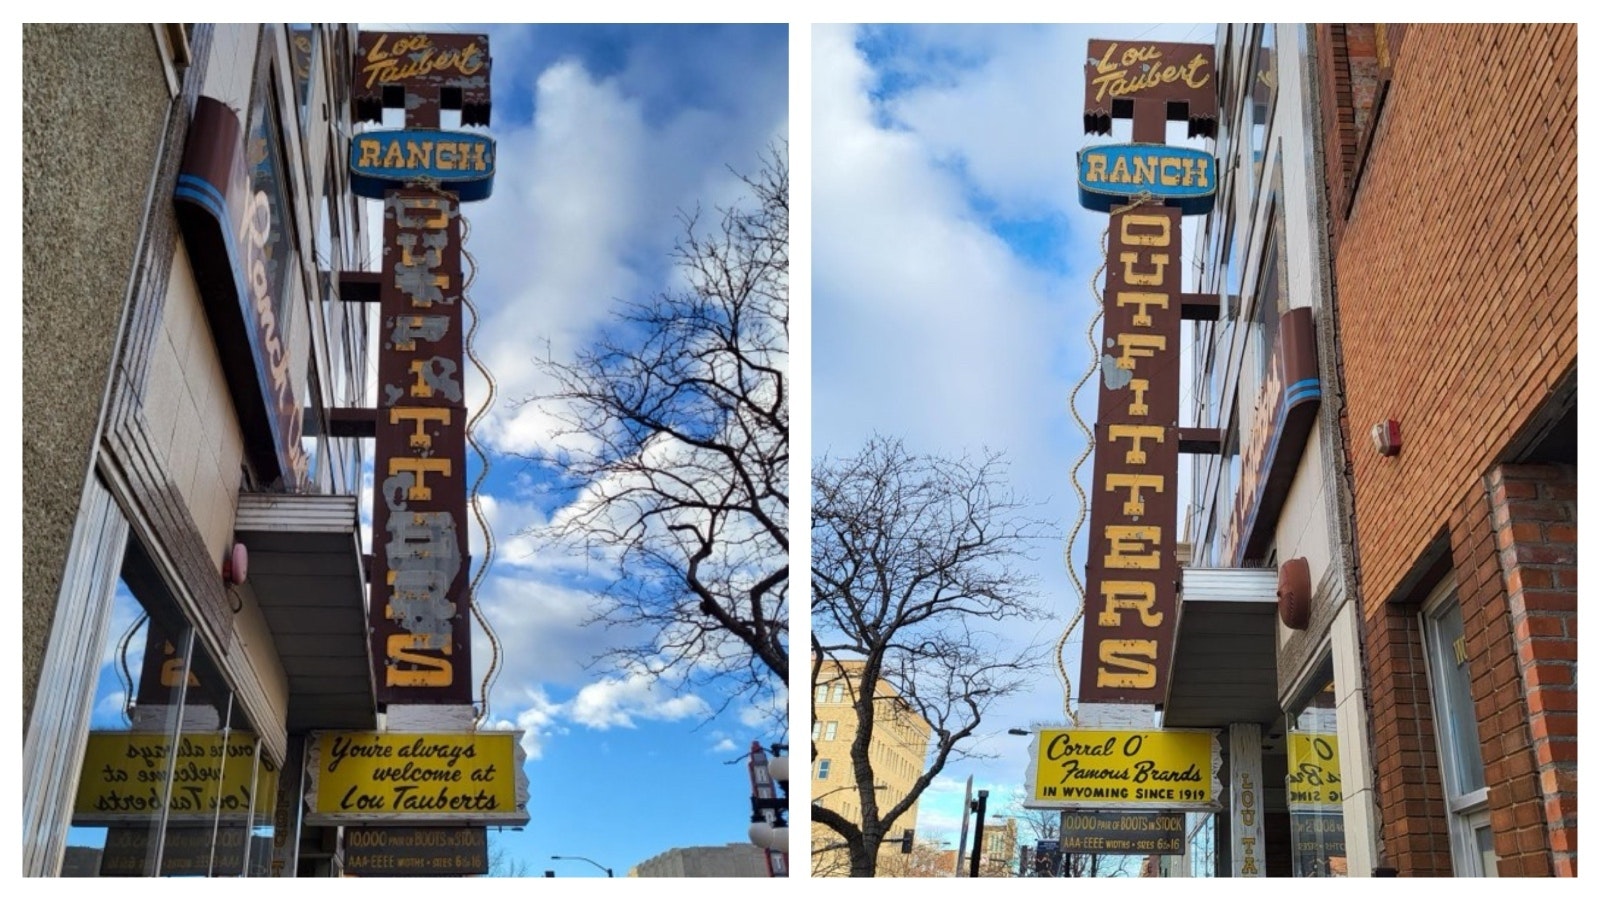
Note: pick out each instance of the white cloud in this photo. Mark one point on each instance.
(617, 702)
(915, 296)
(536, 720)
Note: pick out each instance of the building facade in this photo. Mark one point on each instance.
(1269, 516)
(728, 861)
(194, 593)
(1450, 154)
(898, 751)
(1381, 606)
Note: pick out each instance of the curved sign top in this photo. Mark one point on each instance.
(458, 161)
(1114, 174)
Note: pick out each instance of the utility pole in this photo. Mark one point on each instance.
(961, 848)
(977, 835)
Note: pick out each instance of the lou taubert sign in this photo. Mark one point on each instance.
(416, 779)
(1077, 768)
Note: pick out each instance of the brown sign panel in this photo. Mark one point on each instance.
(1286, 409)
(1131, 588)
(1134, 833)
(230, 205)
(388, 852)
(1175, 81)
(422, 73)
(420, 609)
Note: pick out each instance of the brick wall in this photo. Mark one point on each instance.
(1415, 828)
(1456, 278)
(1457, 273)
(1529, 700)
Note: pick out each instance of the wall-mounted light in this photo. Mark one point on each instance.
(1294, 593)
(236, 566)
(1386, 437)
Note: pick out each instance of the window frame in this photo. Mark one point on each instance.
(1467, 811)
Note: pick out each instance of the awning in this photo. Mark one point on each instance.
(1225, 666)
(306, 572)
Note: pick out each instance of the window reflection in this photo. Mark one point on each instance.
(1315, 787)
(172, 781)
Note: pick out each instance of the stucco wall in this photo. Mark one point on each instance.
(95, 100)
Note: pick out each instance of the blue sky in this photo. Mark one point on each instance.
(604, 133)
(951, 266)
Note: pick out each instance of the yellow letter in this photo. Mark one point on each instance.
(1144, 170)
(1142, 674)
(1134, 506)
(1126, 540)
(1160, 238)
(436, 672)
(419, 490)
(369, 151)
(1138, 433)
(1097, 167)
(1157, 260)
(1140, 345)
(1144, 302)
(420, 440)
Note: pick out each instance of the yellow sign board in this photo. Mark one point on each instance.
(1314, 771)
(124, 778)
(1076, 768)
(451, 778)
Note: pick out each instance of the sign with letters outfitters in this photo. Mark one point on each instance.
(1131, 573)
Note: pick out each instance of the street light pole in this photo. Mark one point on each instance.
(977, 835)
(590, 862)
(961, 848)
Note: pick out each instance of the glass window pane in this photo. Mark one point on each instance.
(116, 819)
(1459, 720)
(1315, 788)
(1484, 837)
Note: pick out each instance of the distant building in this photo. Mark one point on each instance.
(898, 751)
(999, 859)
(729, 861)
(1000, 853)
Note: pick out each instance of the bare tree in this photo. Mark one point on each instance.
(1041, 824)
(927, 859)
(676, 443)
(913, 558)
(1045, 825)
(502, 864)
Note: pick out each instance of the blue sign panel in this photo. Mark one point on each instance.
(457, 161)
(1115, 174)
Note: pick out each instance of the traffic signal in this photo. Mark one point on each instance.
(905, 840)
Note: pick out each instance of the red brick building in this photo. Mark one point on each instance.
(1451, 161)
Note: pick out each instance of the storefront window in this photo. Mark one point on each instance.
(1202, 853)
(1262, 93)
(303, 40)
(1456, 729)
(1271, 289)
(1315, 790)
(173, 781)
